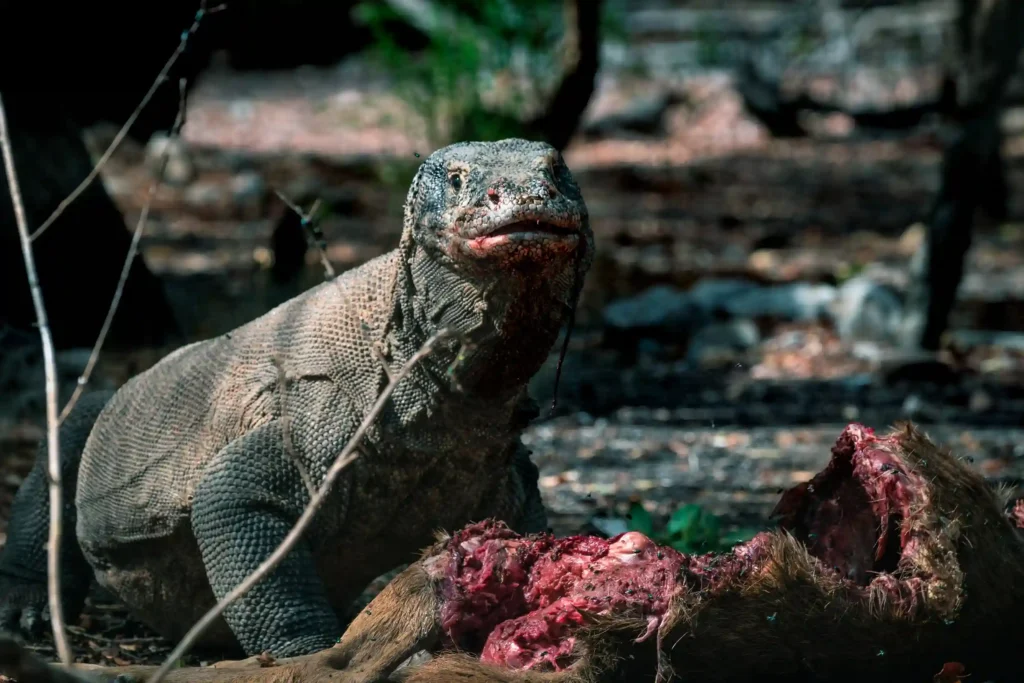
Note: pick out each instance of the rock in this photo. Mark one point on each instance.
(866, 310)
(912, 239)
(980, 401)
(799, 301)
(650, 350)
(661, 308)
(180, 170)
(609, 527)
(867, 350)
(248, 192)
(206, 196)
(643, 115)
(722, 343)
(1000, 339)
(665, 309)
(235, 161)
(714, 295)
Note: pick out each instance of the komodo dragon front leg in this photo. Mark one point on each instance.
(248, 499)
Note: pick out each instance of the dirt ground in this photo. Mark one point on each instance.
(713, 195)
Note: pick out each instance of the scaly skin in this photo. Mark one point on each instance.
(185, 484)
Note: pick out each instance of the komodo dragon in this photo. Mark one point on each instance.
(185, 483)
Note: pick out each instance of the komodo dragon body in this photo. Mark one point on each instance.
(186, 481)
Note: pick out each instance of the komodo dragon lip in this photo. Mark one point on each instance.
(529, 227)
(529, 231)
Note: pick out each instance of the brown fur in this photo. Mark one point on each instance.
(459, 668)
(401, 621)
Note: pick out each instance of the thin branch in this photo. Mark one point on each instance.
(344, 459)
(52, 425)
(157, 82)
(179, 122)
(308, 222)
(286, 427)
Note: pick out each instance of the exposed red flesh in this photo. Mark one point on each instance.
(1017, 515)
(524, 597)
(521, 600)
(850, 515)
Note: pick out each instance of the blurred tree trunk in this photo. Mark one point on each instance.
(79, 258)
(990, 34)
(84, 77)
(580, 62)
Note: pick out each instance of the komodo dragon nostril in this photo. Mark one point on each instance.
(492, 194)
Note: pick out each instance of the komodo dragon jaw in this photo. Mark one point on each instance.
(510, 204)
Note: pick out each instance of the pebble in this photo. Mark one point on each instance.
(721, 343)
(866, 310)
(180, 170)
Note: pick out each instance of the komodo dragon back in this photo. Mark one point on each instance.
(148, 448)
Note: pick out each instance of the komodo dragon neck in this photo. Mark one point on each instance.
(511, 323)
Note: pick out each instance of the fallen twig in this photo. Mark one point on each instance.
(157, 82)
(315, 233)
(133, 248)
(345, 458)
(52, 423)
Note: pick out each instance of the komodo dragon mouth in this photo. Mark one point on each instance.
(540, 232)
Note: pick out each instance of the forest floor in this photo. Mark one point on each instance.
(710, 195)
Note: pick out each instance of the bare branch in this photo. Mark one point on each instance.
(344, 459)
(140, 227)
(309, 223)
(157, 82)
(52, 423)
(580, 60)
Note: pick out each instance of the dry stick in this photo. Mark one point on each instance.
(157, 82)
(307, 222)
(346, 457)
(140, 227)
(50, 369)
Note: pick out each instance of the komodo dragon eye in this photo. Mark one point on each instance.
(455, 180)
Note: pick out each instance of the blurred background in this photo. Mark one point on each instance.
(807, 212)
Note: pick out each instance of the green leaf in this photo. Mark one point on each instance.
(710, 530)
(680, 545)
(640, 519)
(736, 536)
(683, 519)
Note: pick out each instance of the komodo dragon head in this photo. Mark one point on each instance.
(511, 206)
(507, 222)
